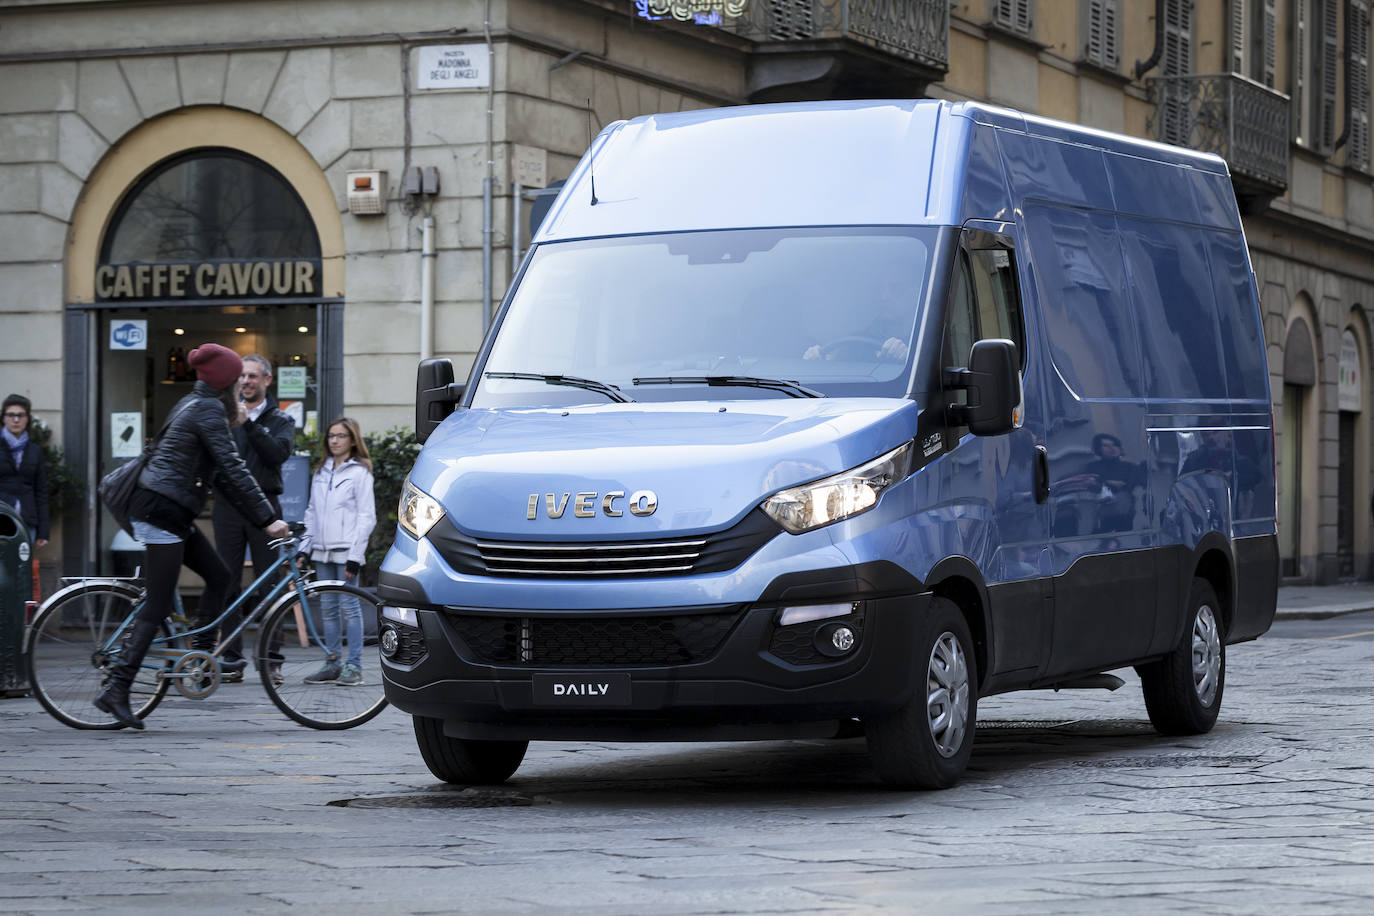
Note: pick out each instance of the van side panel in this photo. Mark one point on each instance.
(1101, 536)
(985, 187)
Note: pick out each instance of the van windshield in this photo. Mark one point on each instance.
(830, 310)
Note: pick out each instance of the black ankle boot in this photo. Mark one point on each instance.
(115, 701)
(115, 697)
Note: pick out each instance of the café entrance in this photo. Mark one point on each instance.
(212, 245)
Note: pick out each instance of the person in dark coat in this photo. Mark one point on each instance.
(264, 439)
(195, 447)
(23, 479)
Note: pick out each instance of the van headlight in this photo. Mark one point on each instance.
(418, 511)
(824, 501)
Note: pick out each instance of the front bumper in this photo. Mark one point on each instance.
(758, 679)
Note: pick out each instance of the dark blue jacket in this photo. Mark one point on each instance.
(26, 486)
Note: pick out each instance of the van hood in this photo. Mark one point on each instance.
(706, 464)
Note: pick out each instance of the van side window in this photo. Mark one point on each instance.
(961, 327)
(999, 306)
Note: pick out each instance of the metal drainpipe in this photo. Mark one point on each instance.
(1144, 67)
(427, 258)
(490, 177)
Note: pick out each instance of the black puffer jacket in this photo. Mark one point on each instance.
(195, 449)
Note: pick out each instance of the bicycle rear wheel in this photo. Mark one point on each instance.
(292, 652)
(70, 651)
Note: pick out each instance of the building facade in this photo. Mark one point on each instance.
(345, 186)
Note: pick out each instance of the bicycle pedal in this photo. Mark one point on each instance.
(231, 677)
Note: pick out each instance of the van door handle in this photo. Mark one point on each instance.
(1042, 474)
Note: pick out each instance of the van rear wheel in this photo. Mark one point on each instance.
(1183, 689)
(926, 744)
(464, 761)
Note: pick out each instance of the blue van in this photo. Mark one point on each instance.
(830, 418)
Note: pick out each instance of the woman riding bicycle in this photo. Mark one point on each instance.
(171, 492)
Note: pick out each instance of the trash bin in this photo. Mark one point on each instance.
(16, 590)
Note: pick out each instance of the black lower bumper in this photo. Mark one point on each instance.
(744, 688)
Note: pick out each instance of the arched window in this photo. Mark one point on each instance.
(210, 204)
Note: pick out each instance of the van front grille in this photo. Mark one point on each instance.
(718, 551)
(594, 641)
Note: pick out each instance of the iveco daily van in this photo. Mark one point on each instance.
(829, 419)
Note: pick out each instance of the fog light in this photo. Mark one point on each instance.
(389, 641)
(842, 638)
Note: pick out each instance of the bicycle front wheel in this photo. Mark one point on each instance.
(312, 660)
(71, 648)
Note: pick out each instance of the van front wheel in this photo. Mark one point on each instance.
(464, 761)
(926, 744)
(1183, 689)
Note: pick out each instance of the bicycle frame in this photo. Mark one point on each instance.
(159, 652)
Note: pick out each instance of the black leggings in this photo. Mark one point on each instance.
(164, 568)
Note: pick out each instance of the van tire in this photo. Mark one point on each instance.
(464, 761)
(907, 748)
(1183, 690)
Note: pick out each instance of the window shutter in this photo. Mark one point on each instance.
(1239, 41)
(1327, 66)
(1101, 44)
(1357, 143)
(1016, 15)
(1267, 37)
(1178, 37)
(1300, 81)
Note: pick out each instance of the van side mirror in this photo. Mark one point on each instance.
(992, 381)
(436, 395)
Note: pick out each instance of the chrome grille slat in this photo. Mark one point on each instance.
(625, 571)
(544, 561)
(485, 546)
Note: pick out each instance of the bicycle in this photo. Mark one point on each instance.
(78, 634)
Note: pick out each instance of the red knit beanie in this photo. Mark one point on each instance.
(216, 365)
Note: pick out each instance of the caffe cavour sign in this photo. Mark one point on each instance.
(254, 279)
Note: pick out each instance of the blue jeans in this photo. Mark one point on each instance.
(334, 607)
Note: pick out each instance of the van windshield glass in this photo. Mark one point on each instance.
(831, 309)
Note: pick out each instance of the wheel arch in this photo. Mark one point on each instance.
(1214, 564)
(959, 580)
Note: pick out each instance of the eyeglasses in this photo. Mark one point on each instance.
(11, 415)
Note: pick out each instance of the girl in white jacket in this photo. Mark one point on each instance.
(338, 521)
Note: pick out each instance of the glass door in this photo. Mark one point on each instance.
(143, 373)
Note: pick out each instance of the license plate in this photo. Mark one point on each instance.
(582, 689)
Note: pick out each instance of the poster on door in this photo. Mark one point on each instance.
(1348, 393)
(126, 434)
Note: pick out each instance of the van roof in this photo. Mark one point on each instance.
(876, 162)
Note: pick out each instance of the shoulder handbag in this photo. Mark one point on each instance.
(116, 488)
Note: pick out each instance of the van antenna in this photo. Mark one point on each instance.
(591, 160)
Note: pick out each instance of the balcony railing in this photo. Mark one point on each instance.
(1238, 119)
(915, 30)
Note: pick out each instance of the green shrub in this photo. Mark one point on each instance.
(393, 454)
(66, 485)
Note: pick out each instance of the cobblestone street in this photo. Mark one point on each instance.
(1071, 801)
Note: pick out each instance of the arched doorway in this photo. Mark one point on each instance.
(1352, 468)
(204, 225)
(1297, 533)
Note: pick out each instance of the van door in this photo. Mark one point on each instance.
(984, 302)
(1101, 533)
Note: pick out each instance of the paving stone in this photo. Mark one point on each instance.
(1065, 810)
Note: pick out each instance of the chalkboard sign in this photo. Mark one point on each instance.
(295, 479)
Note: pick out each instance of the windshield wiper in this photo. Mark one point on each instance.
(790, 388)
(572, 381)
